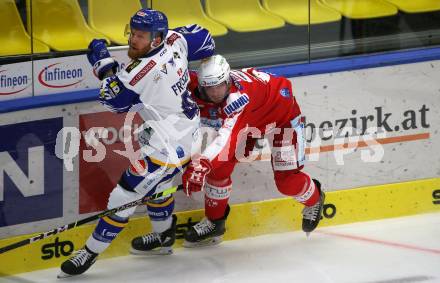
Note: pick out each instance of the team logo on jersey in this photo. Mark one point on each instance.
(157, 77)
(132, 66)
(213, 113)
(285, 92)
(176, 55)
(172, 38)
(147, 68)
(180, 152)
(237, 105)
(164, 69)
(172, 62)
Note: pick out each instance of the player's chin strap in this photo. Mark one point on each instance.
(153, 46)
(153, 43)
(89, 219)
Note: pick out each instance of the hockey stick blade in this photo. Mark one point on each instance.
(88, 219)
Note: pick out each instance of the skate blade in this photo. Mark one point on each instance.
(204, 243)
(161, 251)
(62, 275)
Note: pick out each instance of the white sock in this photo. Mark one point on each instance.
(95, 245)
(162, 226)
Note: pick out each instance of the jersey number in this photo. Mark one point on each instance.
(189, 106)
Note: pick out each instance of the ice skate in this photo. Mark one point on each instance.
(312, 214)
(155, 243)
(206, 232)
(78, 264)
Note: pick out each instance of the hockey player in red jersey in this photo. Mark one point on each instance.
(244, 106)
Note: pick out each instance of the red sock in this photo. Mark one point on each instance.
(216, 197)
(298, 185)
(314, 198)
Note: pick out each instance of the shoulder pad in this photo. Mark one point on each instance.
(235, 103)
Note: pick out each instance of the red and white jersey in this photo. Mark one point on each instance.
(257, 103)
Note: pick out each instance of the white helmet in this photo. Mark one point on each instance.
(213, 71)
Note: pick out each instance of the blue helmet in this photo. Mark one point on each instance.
(150, 20)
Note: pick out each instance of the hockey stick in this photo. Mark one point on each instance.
(88, 219)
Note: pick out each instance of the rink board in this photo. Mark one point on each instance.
(245, 220)
(405, 108)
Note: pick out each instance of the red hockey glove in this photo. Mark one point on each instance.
(194, 176)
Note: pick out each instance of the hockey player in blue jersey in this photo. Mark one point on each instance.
(156, 80)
